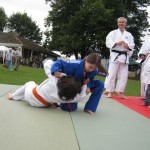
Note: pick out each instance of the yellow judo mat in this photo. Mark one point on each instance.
(23, 127)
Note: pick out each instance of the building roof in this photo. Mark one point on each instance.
(14, 40)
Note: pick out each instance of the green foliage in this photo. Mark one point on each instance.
(58, 19)
(25, 27)
(3, 19)
(81, 26)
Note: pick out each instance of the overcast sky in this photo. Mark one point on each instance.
(36, 9)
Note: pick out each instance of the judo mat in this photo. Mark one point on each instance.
(23, 127)
(4, 88)
(134, 103)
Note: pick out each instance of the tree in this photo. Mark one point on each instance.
(58, 20)
(136, 14)
(25, 27)
(88, 27)
(3, 19)
(82, 25)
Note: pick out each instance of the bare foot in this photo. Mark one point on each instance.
(105, 92)
(10, 96)
(90, 112)
(142, 97)
(109, 95)
(142, 104)
(122, 96)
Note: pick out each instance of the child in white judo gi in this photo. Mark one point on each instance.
(146, 75)
(143, 53)
(81, 70)
(52, 90)
(145, 72)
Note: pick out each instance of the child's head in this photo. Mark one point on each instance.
(68, 87)
(92, 62)
(142, 56)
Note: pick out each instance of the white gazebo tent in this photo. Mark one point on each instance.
(3, 49)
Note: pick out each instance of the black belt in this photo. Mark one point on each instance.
(142, 62)
(120, 53)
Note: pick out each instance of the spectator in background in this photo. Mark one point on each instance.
(40, 65)
(9, 55)
(18, 56)
(30, 61)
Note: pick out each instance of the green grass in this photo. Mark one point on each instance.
(132, 88)
(22, 76)
(26, 74)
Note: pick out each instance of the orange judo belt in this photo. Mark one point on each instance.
(44, 102)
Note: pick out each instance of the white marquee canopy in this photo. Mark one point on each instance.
(3, 50)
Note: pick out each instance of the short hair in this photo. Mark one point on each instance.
(68, 88)
(122, 18)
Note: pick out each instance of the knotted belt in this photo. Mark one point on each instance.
(120, 53)
(43, 101)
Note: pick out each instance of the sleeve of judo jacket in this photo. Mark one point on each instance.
(109, 40)
(62, 66)
(131, 45)
(80, 97)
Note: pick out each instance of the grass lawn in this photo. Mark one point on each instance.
(22, 76)
(132, 88)
(26, 74)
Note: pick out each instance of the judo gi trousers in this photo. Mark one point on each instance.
(147, 98)
(93, 101)
(25, 93)
(143, 90)
(143, 84)
(119, 71)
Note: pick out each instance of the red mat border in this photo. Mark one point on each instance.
(133, 103)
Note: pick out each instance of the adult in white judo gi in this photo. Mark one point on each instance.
(52, 90)
(121, 45)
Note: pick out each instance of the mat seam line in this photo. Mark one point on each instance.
(75, 131)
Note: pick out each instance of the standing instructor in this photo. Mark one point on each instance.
(121, 45)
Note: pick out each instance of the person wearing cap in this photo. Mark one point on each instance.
(80, 70)
(121, 45)
(145, 63)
